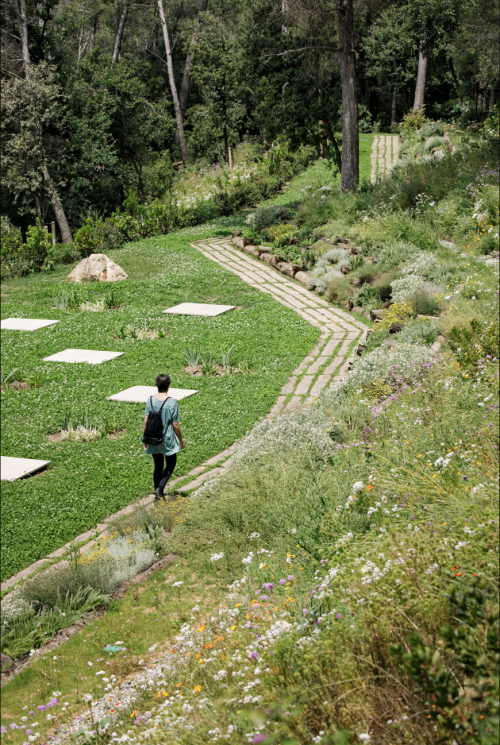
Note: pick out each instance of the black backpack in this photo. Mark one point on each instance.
(153, 431)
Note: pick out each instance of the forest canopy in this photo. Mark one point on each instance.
(102, 100)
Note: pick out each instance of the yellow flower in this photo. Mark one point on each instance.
(202, 628)
(197, 689)
(133, 714)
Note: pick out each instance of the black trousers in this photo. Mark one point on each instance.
(161, 475)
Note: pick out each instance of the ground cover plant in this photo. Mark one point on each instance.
(75, 493)
(338, 582)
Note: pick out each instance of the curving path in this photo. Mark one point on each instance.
(340, 333)
(328, 362)
(384, 155)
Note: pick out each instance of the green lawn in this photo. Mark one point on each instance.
(86, 482)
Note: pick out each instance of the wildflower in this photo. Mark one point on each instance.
(202, 628)
(197, 689)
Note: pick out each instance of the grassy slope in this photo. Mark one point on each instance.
(88, 481)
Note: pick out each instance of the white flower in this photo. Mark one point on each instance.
(216, 557)
(365, 737)
(90, 664)
(293, 530)
(177, 584)
(357, 486)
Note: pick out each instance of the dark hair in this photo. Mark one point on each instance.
(162, 383)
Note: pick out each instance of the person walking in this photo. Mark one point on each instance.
(164, 449)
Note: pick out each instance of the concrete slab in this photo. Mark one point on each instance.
(25, 324)
(319, 384)
(139, 394)
(92, 356)
(304, 385)
(293, 403)
(277, 408)
(12, 469)
(198, 309)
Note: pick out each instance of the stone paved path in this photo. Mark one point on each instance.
(383, 156)
(327, 362)
(340, 333)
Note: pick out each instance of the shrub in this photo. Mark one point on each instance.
(391, 254)
(398, 313)
(365, 273)
(321, 276)
(432, 142)
(267, 216)
(368, 297)
(63, 253)
(339, 290)
(426, 305)
(403, 362)
(87, 240)
(382, 284)
(470, 345)
(419, 331)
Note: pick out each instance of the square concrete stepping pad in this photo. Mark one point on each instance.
(198, 309)
(15, 468)
(25, 324)
(91, 356)
(139, 394)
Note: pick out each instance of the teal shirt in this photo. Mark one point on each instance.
(169, 415)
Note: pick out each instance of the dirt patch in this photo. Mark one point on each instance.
(55, 437)
(19, 385)
(117, 435)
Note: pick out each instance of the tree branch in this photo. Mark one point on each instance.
(302, 49)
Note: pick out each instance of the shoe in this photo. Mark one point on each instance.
(159, 494)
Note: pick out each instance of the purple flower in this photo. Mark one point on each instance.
(258, 738)
(14, 726)
(339, 615)
(253, 655)
(31, 713)
(3, 730)
(41, 707)
(268, 586)
(264, 597)
(29, 731)
(248, 624)
(290, 578)
(282, 581)
(305, 610)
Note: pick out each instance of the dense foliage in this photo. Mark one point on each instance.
(92, 117)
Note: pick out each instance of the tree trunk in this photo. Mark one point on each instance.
(22, 23)
(93, 32)
(394, 112)
(338, 154)
(367, 94)
(492, 99)
(456, 81)
(119, 32)
(350, 132)
(186, 78)
(20, 10)
(178, 113)
(58, 208)
(421, 78)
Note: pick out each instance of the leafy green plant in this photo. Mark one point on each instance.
(6, 378)
(192, 357)
(368, 297)
(475, 343)
(419, 331)
(111, 299)
(463, 700)
(226, 360)
(66, 300)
